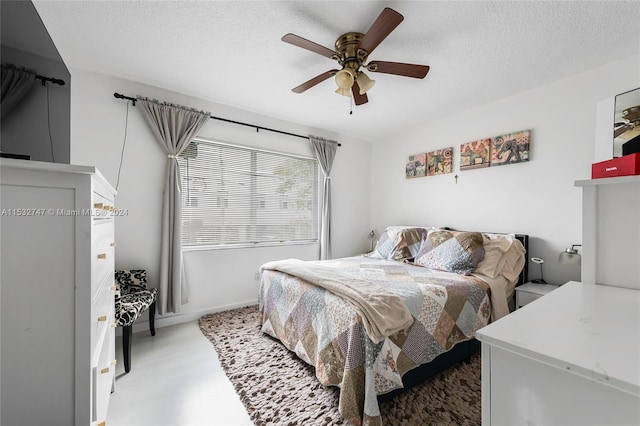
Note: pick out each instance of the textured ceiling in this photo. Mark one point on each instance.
(230, 51)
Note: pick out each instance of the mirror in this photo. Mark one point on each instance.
(626, 121)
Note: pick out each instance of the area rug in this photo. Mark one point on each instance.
(277, 388)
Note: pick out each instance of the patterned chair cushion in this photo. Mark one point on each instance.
(133, 297)
(131, 280)
(130, 306)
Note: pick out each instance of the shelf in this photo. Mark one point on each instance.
(608, 181)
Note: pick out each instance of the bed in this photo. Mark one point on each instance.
(377, 323)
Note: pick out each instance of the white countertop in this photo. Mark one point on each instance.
(590, 330)
(44, 166)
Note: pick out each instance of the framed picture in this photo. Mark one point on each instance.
(510, 148)
(440, 162)
(416, 166)
(475, 154)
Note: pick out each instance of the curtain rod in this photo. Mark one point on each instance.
(258, 128)
(50, 79)
(42, 78)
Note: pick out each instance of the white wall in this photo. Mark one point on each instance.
(369, 188)
(218, 279)
(537, 197)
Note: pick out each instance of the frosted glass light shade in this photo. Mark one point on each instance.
(344, 78)
(570, 257)
(365, 83)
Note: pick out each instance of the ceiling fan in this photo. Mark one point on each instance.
(352, 52)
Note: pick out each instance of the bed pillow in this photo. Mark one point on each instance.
(514, 262)
(384, 246)
(400, 243)
(495, 246)
(451, 251)
(504, 255)
(435, 237)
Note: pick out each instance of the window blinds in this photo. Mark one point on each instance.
(240, 196)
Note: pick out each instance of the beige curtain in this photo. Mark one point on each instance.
(325, 151)
(174, 127)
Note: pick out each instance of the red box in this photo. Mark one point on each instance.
(627, 165)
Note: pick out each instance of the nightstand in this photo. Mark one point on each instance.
(528, 292)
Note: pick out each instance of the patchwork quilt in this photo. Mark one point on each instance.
(326, 330)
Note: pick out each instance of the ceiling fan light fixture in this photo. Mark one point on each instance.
(344, 78)
(365, 83)
(352, 50)
(343, 92)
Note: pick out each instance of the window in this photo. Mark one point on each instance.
(240, 196)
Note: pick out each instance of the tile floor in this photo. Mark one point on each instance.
(175, 380)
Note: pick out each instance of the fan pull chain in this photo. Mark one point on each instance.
(350, 105)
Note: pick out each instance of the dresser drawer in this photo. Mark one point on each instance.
(106, 192)
(525, 298)
(103, 253)
(103, 206)
(528, 292)
(102, 315)
(103, 376)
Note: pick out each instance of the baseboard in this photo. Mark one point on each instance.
(172, 319)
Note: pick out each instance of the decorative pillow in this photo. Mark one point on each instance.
(385, 244)
(400, 243)
(435, 237)
(451, 251)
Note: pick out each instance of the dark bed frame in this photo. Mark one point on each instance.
(460, 352)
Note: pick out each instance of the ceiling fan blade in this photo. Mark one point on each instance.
(620, 129)
(309, 45)
(357, 97)
(315, 80)
(386, 22)
(398, 68)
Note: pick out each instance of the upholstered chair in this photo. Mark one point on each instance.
(131, 300)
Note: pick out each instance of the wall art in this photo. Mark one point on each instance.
(440, 161)
(475, 154)
(510, 148)
(416, 166)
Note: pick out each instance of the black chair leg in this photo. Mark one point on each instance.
(126, 346)
(152, 318)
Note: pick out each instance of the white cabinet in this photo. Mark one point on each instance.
(571, 358)
(611, 231)
(57, 287)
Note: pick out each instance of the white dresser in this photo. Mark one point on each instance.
(57, 288)
(570, 358)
